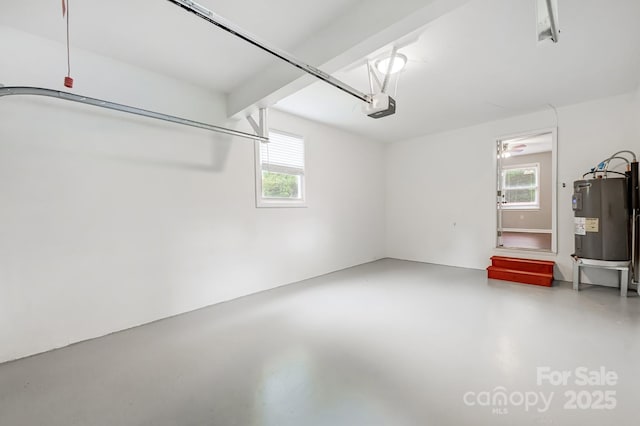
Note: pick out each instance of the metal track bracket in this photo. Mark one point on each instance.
(261, 127)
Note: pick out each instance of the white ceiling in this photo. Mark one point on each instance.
(160, 36)
(527, 145)
(481, 62)
(474, 61)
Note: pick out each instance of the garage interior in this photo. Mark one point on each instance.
(287, 213)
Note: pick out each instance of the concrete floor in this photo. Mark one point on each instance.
(388, 343)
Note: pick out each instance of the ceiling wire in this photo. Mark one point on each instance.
(555, 110)
(68, 48)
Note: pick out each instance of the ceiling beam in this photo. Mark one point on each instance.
(367, 27)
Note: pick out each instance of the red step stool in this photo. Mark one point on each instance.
(526, 271)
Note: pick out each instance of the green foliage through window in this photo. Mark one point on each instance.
(520, 196)
(280, 185)
(519, 178)
(520, 186)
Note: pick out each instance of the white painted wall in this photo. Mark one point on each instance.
(446, 215)
(108, 221)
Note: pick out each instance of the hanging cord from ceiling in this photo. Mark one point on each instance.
(68, 81)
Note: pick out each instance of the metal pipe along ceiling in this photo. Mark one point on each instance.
(220, 22)
(39, 91)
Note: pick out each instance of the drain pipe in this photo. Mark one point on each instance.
(635, 226)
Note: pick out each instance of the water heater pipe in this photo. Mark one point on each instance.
(635, 190)
(635, 226)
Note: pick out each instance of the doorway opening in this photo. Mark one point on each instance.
(526, 190)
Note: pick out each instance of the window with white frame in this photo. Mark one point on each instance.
(521, 186)
(280, 177)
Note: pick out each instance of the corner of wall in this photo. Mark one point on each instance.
(637, 111)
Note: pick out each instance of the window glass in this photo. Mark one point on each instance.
(281, 170)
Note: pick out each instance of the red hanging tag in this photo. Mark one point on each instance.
(68, 81)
